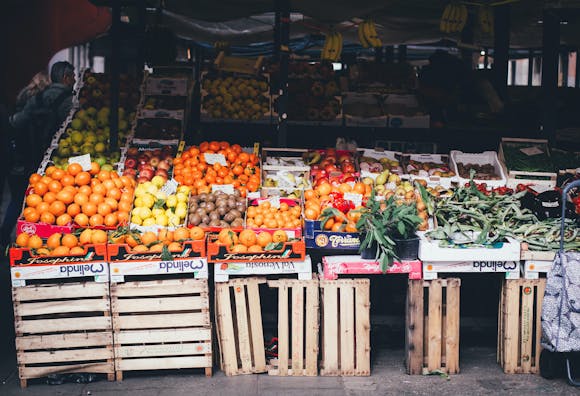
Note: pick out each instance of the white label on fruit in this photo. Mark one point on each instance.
(364, 174)
(531, 151)
(83, 160)
(355, 198)
(275, 202)
(215, 158)
(254, 195)
(170, 187)
(225, 188)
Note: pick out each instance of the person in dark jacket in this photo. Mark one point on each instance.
(38, 84)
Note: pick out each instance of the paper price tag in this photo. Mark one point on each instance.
(83, 160)
(355, 198)
(256, 148)
(274, 202)
(531, 151)
(170, 187)
(225, 188)
(254, 195)
(180, 148)
(215, 158)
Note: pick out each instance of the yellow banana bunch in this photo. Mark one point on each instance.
(332, 47)
(367, 34)
(454, 18)
(485, 19)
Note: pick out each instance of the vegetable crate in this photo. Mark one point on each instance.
(519, 325)
(63, 328)
(297, 331)
(239, 326)
(531, 153)
(432, 326)
(161, 324)
(345, 327)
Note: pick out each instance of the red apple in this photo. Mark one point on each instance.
(330, 168)
(162, 172)
(130, 163)
(344, 158)
(154, 161)
(129, 172)
(348, 179)
(142, 179)
(347, 167)
(147, 173)
(164, 165)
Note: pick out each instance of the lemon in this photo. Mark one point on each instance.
(140, 190)
(144, 213)
(148, 200)
(181, 212)
(157, 211)
(181, 197)
(139, 202)
(158, 181)
(149, 222)
(171, 201)
(136, 220)
(183, 189)
(174, 221)
(162, 220)
(161, 195)
(151, 188)
(181, 205)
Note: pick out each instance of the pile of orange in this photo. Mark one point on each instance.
(266, 216)
(154, 242)
(87, 198)
(248, 241)
(61, 244)
(241, 170)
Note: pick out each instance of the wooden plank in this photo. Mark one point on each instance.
(312, 329)
(347, 332)
(330, 330)
(37, 372)
(499, 354)
(434, 329)
(163, 304)
(283, 330)
(63, 324)
(169, 335)
(526, 325)
(363, 327)
(226, 329)
(67, 306)
(56, 341)
(164, 363)
(160, 288)
(452, 326)
(255, 310)
(511, 326)
(72, 355)
(243, 329)
(168, 349)
(414, 327)
(157, 321)
(297, 327)
(539, 301)
(65, 290)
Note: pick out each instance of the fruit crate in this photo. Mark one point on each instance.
(384, 160)
(545, 179)
(238, 64)
(432, 326)
(93, 253)
(290, 159)
(489, 158)
(432, 168)
(161, 324)
(160, 125)
(302, 269)
(331, 120)
(239, 326)
(519, 325)
(345, 323)
(292, 250)
(404, 111)
(284, 171)
(153, 157)
(298, 328)
(63, 328)
(275, 201)
(122, 253)
(163, 102)
(317, 238)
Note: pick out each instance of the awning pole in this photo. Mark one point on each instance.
(115, 70)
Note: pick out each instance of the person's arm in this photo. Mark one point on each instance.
(20, 119)
(64, 108)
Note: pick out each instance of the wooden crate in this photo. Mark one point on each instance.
(161, 324)
(298, 332)
(239, 326)
(237, 64)
(519, 325)
(63, 328)
(432, 326)
(345, 327)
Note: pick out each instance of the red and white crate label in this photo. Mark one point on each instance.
(225, 188)
(222, 271)
(510, 268)
(99, 270)
(336, 265)
(211, 159)
(196, 266)
(533, 268)
(83, 160)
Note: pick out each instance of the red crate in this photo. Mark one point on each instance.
(25, 257)
(219, 253)
(118, 253)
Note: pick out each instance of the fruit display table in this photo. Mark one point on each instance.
(332, 266)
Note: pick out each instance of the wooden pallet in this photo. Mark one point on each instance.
(345, 327)
(239, 326)
(161, 324)
(432, 326)
(63, 328)
(298, 357)
(519, 325)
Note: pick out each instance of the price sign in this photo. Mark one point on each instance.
(225, 188)
(83, 160)
(531, 151)
(256, 148)
(215, 158)
(355, 198)
(180, 148)
(274, 202)
(170, 187)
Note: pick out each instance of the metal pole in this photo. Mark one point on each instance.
(501, 48)
(564, 56)
(577, 75)
(283, 7)
(530, 67)
(114, 71)
(550, 51)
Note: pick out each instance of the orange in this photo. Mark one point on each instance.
(99, 236)
(310, 214)
(77, 250)
(125, 206)
(82, 219)
(96, 198)
(239, 248)
(95, 168)
(86, 190)
(248, 238)
(114, 193)
(34, 242)
(123, 218)
(33, 200)
(149, 237)
(67, 180)
(73, 209)
(131, 241)
(48, 171)
(350, 227)
(74, 169)
(126, 197)
(140, 249)
(85, 237)
(89, 209)
(310, 194)
(40, 188)
(103, 209)
(22, 239)
(60, 251)
(255, 249)
(111, 220)
(99, 189)
(157, 248)
(57, 174)
(359, 188)
(96, 220)
(47, 217)
(279, 236)
(264, 238)
(109, 183)
(42, 207)
(34, 178)
(181, 234)
(337, 227)
(82, 178)
(196, 233)
(63, 220)
(57, 208)
(81, 198)
(174, 247)
(345, 188)
(43, 251)
(49, 197)
(69, 240)
(323, 189)
(165, 235)
(54, 186)
(53, 241)
(103, 175)
(31, 215)
(227, 237)
(65, 196)
(112, 203)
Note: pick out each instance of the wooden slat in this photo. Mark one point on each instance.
(540, 299)
(163, 304)
(347, 334)
(56, 341)
(414, 327)
(226, 329)
(164, 363)
(243, 329)
(434, 329)
(155, 336)
(297, 327)
(363, 327)
(499, 355)
(312, 329)
(161, 321)
(160, 288)
(330, 330)
(65, 290)
(255, 310)
(63, 324)
(511, 326)
(179, 349)
(283, 330)
(72, 355)
(452, 327)
(526, 326)
(68, 306)
(37, 372)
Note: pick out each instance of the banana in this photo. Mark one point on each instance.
(453, 19)
(361, 35)
(371, 34)
(463, 15)
(338, 46)
(326, 48)
(445, 18)
(485, 18)
(332, 46)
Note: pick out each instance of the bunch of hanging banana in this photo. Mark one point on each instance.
(485, 19)
(367, 34)
(454, 18)
(332, 47)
